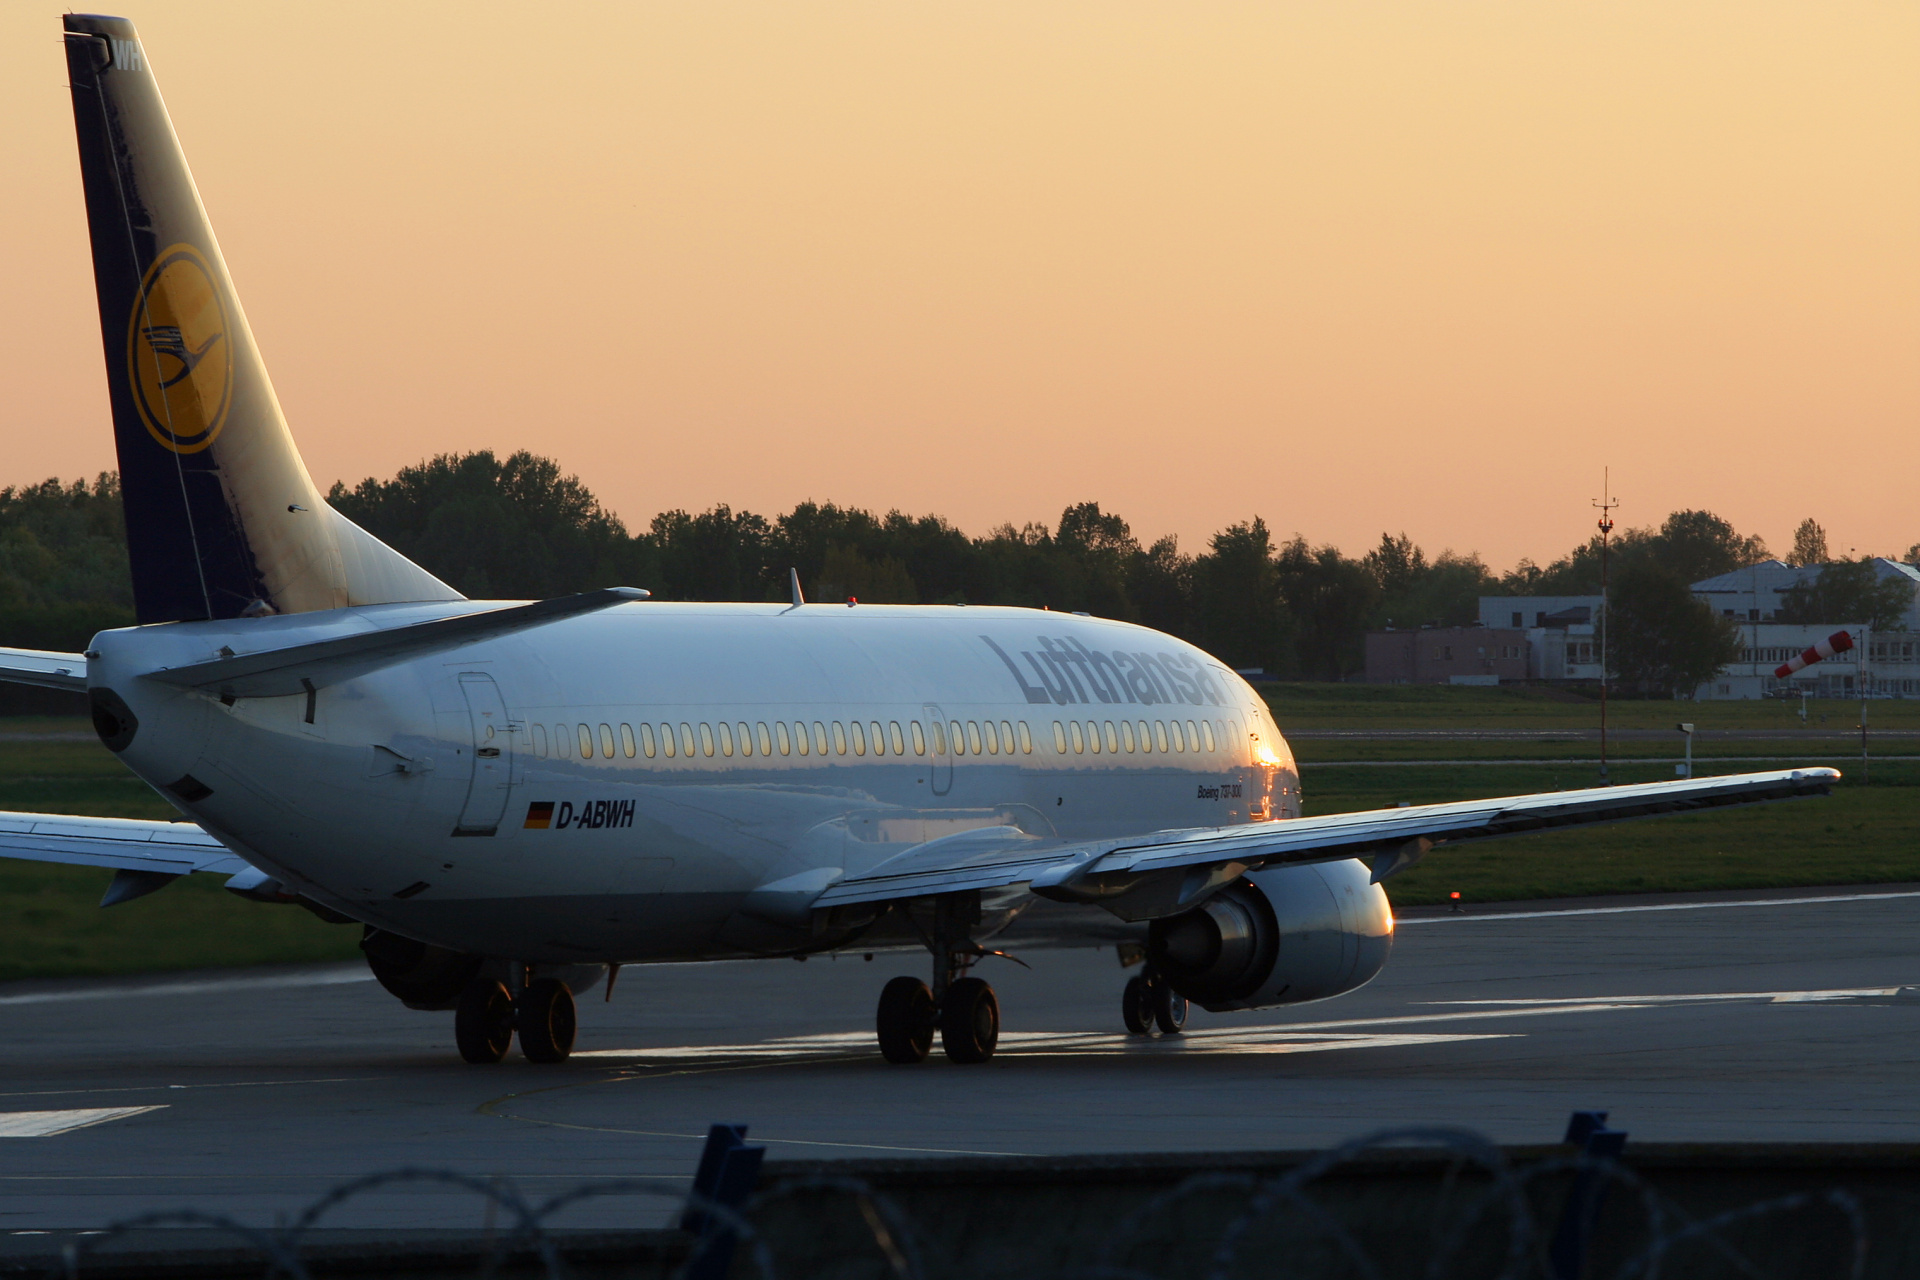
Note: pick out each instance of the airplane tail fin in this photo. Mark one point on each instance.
(222, 518)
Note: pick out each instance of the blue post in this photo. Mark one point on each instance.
(1588, 1131)
(728, 1170)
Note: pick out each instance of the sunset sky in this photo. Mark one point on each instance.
(1350, 267)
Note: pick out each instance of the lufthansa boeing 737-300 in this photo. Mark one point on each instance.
(512, 798)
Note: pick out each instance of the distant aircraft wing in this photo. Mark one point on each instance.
(47, 669)
(1091, 871)
(147, 855)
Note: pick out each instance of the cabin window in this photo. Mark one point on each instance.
(626, 742)
(540, 741)
(1234, 738)
(919, 738)
(899, 742)
(786, 743)
(1126, 735)
(586, 742)
(1146, 736)
(801, 740)
(1059, 737)
(706, 738)
(766, 740)
(959, 734)
(819, 738)
(666, 740)
(1206, 728)
(606, 741)
(1160, 734)
(939, 738)
(839, 738)
(1079, 742)
(1006, 737)
(1173, 732)
(726, 739)
(1026, 739)
(859, 737)
(1093, 737)
(686, 740)
(741, 732)
(646, 740)
(1193, 736)
(880, 739)
(562, 740)
(1113, 736)
(990, 739)
(973, 736)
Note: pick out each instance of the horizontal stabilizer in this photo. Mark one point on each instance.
(120, 844)
(1103, 870)
(43, 668)
(283, 672)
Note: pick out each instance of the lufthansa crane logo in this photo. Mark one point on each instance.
(180, 351)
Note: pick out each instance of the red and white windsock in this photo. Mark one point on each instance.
(1838, 642)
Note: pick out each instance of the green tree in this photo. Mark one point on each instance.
(1695, 545)
(1809, 545)
(1661, 639)
(1238, 615)
(1849, 591)
(1331, 599)
(494, 529)
(63, 563)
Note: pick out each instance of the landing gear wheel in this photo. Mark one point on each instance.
(545, 1020)
(969, 1021)
(905, 1021)
(1137, 1006)
(1169, 1008)
(483, 1021)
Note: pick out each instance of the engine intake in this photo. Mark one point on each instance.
(1284, 935)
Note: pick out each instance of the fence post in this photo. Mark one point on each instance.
(1588, 1131)
(728, 1170)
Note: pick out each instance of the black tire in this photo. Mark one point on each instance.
(1169, 1009)
(905, 1021)
(1136, 1006)
(969, 1021)
(483, 1021)
(545, 1020)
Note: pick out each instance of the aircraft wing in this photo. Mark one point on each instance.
(47, 669)
(147, 855)
(1394, 838)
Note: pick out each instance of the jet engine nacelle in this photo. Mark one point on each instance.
(1278, 936)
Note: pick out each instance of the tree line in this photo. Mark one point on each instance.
(518, 527)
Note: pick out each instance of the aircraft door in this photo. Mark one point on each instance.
(492, 756)
(941, 749)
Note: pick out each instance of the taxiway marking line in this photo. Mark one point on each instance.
(327, 978)
(149, 1088)
(46, 1124)
(1772, 997)
(1657, 906)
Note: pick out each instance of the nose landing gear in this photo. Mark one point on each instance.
(961, 1008)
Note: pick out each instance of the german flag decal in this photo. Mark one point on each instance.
(539, 815)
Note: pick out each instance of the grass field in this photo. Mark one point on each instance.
(50, 925)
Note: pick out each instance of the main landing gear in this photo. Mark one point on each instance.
(962, 1008)
(1148, 1004)
(489, 1016)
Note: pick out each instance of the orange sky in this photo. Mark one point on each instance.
(1350, 267)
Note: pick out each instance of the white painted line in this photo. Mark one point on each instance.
(1773, 997)
(1661, 906)
(322, 978)
(45, 1124)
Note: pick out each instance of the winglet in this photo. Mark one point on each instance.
(793, 581)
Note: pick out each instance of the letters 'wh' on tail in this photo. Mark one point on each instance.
(222, 518)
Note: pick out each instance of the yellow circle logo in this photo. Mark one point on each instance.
(180, 351)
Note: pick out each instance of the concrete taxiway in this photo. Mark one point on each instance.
(1779, 1016)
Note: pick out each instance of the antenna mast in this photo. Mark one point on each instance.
(1605, 503)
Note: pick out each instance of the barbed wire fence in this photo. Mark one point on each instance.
(1497, 1230)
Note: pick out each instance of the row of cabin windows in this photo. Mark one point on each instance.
(971, 737)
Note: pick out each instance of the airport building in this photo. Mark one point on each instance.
(1556, 638)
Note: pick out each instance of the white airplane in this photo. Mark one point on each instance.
(516, 798)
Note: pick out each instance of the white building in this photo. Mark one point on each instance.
(1753, 594)
(1563, 640)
